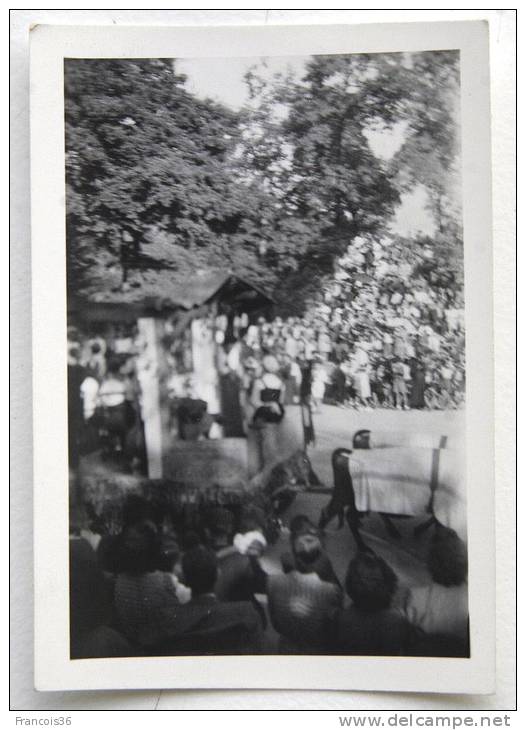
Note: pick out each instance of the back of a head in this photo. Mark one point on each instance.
(136, 509)
(299, 524)
(220, 527)
(200, 570)
(448, 559)
(140, 550)
(252, 518)
(370, 582)
(306, 548)
(73, 354)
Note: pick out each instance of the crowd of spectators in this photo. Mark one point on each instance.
(151, 590)
(104, 393)
(387, 331)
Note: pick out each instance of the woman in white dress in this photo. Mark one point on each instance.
(361, 382)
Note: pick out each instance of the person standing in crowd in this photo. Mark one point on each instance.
(446, 378)
(112, 406)
(324, 343)
(268, 395)
(338, 384)
(418, 384)
(76, 376)
(289, 375)
(96, 359)
(339, 350)
(89, 390)
(361, 383)
(400, 345)
(387, 345)
(319, 385)
(399, 384)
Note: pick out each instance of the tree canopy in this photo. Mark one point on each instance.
(275, 191)
(146, 160)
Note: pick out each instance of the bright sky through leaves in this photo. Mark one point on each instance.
(222, 80)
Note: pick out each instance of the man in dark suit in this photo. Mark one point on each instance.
(206, 625)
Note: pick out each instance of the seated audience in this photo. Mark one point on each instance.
(206, 625)
(300, 602)
(91, 631)
(302, 525)
(240, 573)
(135, 511)
(441, 608)
(370, 626)
(142, 591)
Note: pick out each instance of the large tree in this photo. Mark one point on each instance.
(148, 162)
(276, 191)
(430, 153)
(306, 140)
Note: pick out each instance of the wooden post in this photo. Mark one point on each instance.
(150, 369)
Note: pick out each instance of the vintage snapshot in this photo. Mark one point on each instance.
(266, 278)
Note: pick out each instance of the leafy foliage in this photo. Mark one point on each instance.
(145, 158)
(276, 191)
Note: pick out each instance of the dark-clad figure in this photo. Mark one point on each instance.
(440, 609)
(241, 576)
(369, 626)
(206, 625)
(142, 591)
(418, 384)
(92, 633)
(300, 602)
(302, 525)
(76, 375)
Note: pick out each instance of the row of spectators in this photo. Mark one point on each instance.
(151, 591)
(386, 331)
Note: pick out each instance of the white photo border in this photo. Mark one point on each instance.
(54, 670)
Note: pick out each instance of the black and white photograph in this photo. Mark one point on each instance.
(265, 342)
(262, 292)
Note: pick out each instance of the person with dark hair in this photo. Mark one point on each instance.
(418, 384)
(97, 359)
(370, 582)
(370, 626)
(207, 625)
(241, 575)
(303, 525)
(135, 510)
(399, 384)
(90, 618)
(218, 527)
(142, 591)
(300, 602)
(76, 376)
(440, 609)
